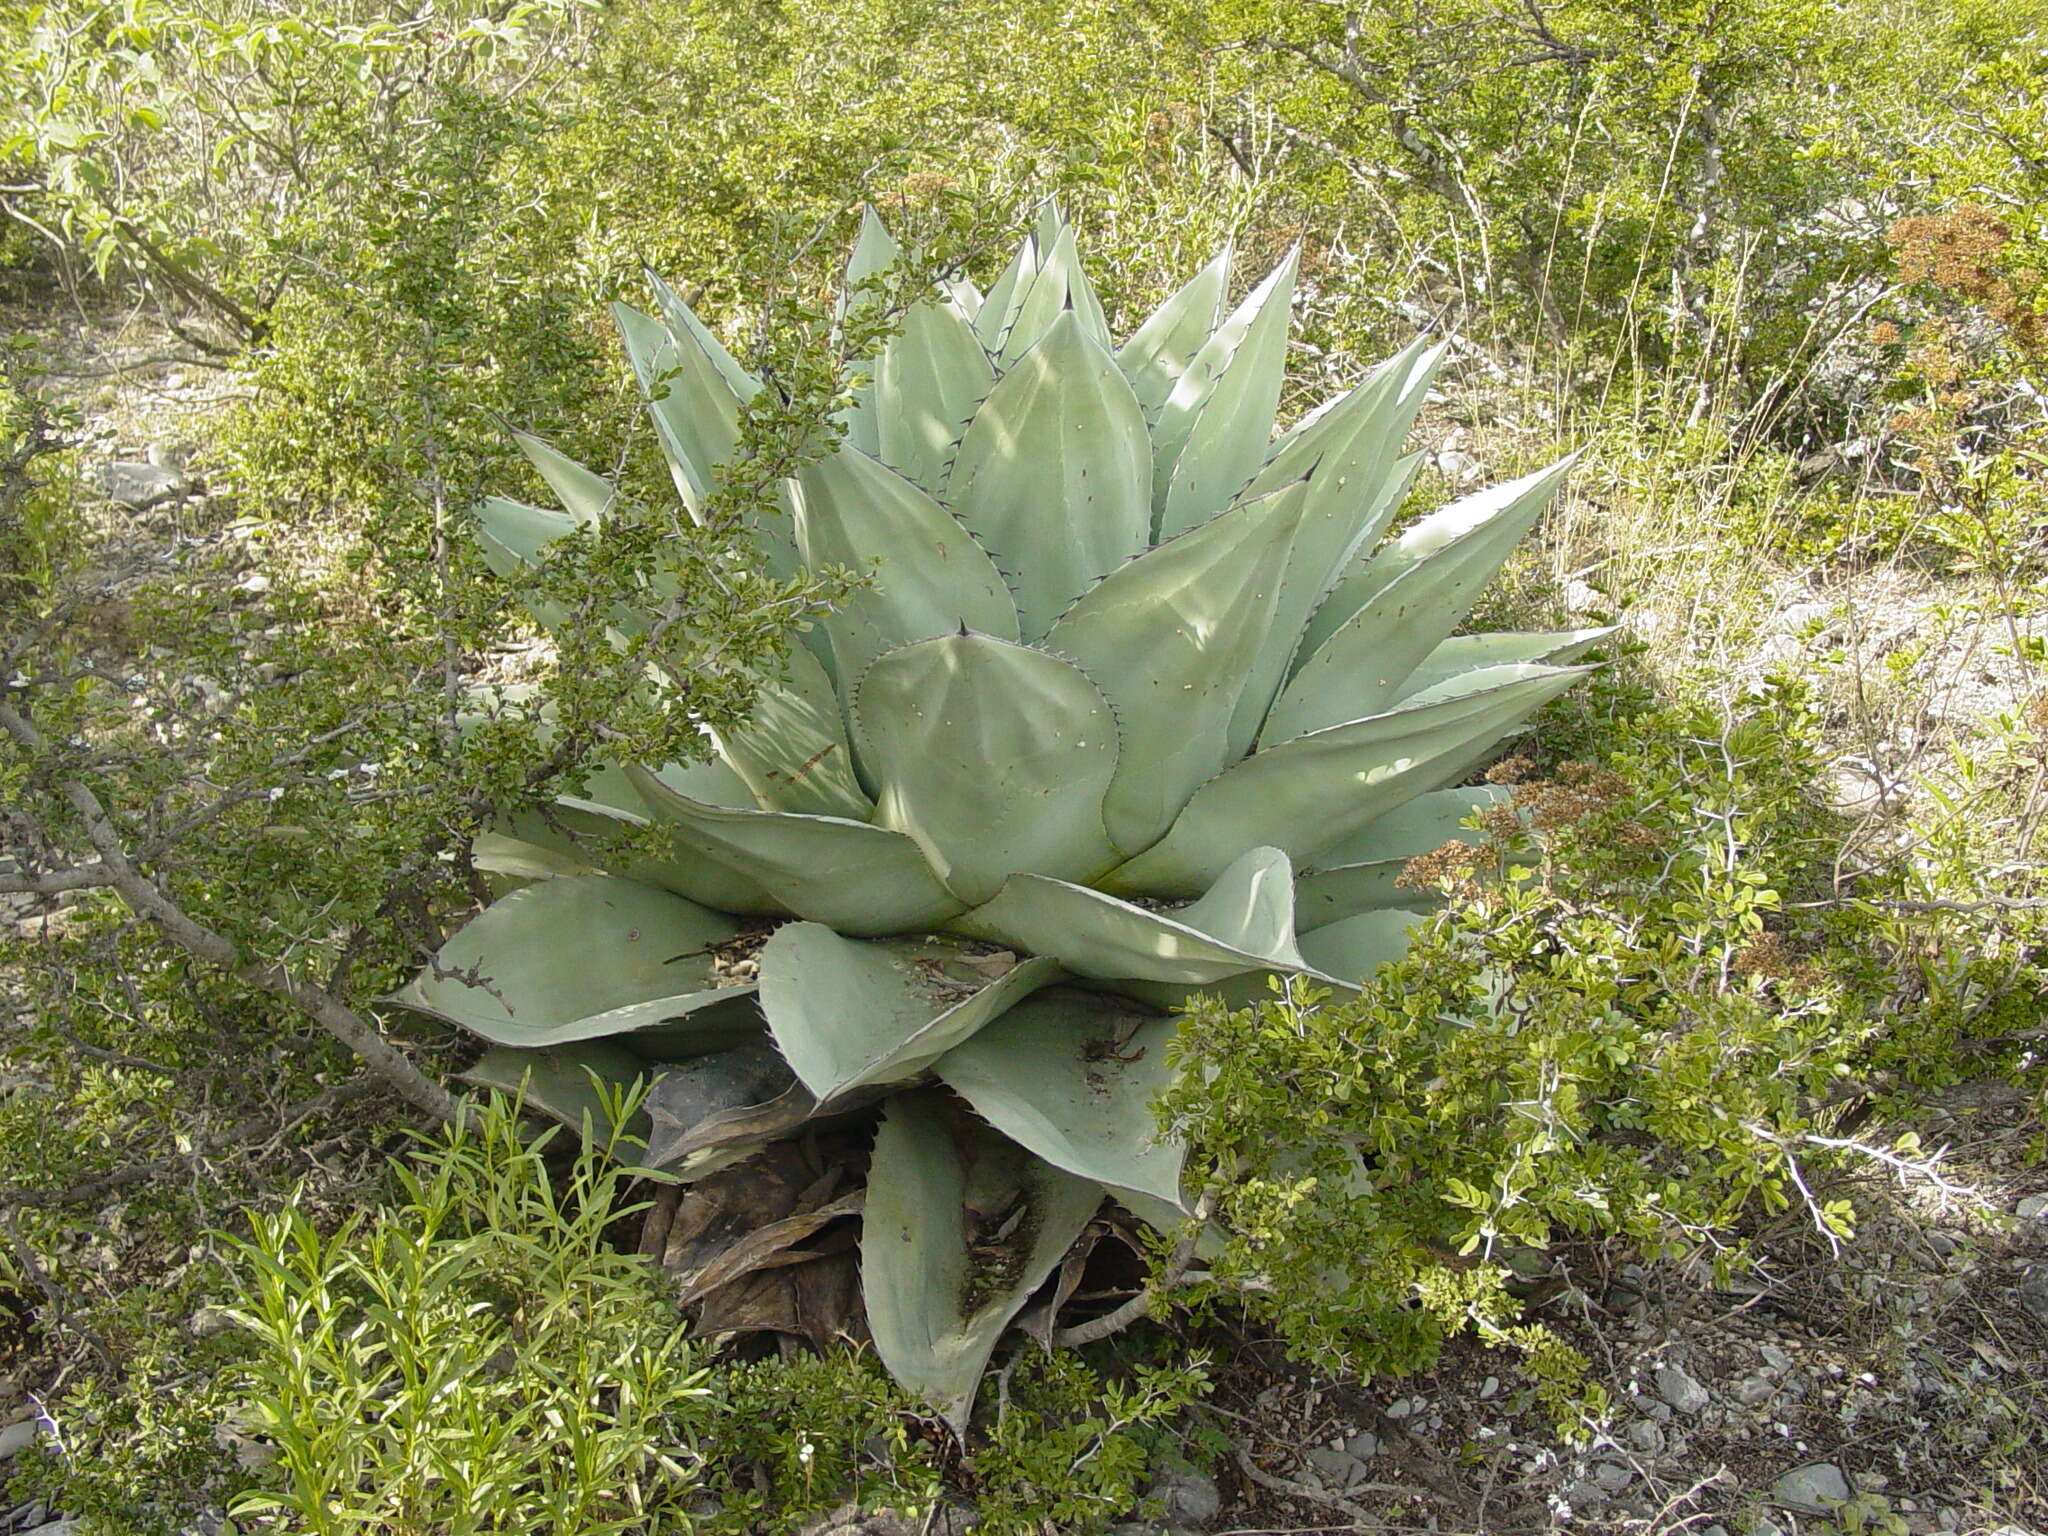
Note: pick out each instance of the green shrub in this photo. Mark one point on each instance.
(1627, 1024)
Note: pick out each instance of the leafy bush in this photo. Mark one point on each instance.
(1627, 1024)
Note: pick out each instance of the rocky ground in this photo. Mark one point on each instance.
(1893, 1383)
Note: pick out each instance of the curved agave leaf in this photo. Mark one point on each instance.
(1216, 427)
(1390, 611)
(496, 854)
(1243, 925)
(610, 805)
(1058, 286)
(933, 578)
(875, 251)
(961, 1226)
(857, 878)
(1362, 873)
(654, 356)
(1467, 653)
(847, 1014)
(512, 534)
(930, 378)
(1309, 793)
(1158, 354)
(1072, 1076)
(792, 752)
(1358, 946)
(994, 757)
(641, 959)
(1357, 488)
(557, 1083)
(1169, 638)
(998, 310)
(693, 335)
(1052, 471)
(586, 494)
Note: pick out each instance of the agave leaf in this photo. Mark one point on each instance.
(584, 825)
(1072, 1076)
(654, 356)
(1243, 925)
(1466, 653)
(875, 251)
(1217, 425)
(1397, 605)
(941, 1283)
(512, 534)
(1058, 287)
(1309, 793)
(994, 757)
(587, 495)
(1356, 489)
(694, 390)
(642, 959)
(792, 752)
(857, 878)
(933, 578)
(1160, 351)
(556, 1082)
(999, 308)
(931, 377)
(1169, 638)
(959, 289)
(693, 335)
(848, 1014)
(496, 854)
(1052, 472)
(1358, 946)
(1362, 874)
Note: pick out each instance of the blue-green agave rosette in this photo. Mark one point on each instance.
(1139, 704)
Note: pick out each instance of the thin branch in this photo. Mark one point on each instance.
(1140, 1305)
(142, 896)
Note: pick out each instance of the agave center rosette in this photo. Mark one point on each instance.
(1139, 704)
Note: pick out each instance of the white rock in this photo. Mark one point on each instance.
(2033, 1208)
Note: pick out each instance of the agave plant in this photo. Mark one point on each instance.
(1139, 704)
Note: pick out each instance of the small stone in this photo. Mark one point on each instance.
(1812, 1490)
(1336, 1469)
(1943, 1245)
(1775, 1358)
(1680, 1390)
(1189, 1497)
(1764, 1525)
(16, 1438)
(56, 1528)
(2033, 1208)
(2033, 1292)
(1715, 1530)
(1400, 1408)
(255, 582)
(1613, 1476)
(1583, 597)
(1488, 1388)
(1586, 1494)
(1364, 1445)
(1753, 1390)
(140, 486)
(1647, 1436)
